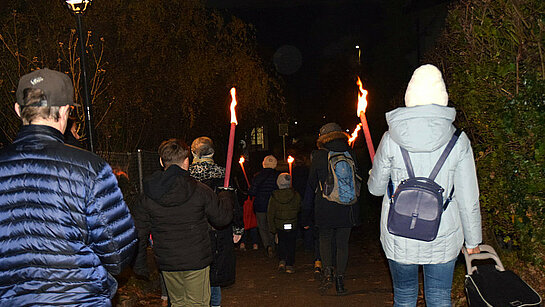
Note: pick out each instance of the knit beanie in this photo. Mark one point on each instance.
(426, 87)
(269, 162)
(202, 147)
(330, 127)
(283, 181)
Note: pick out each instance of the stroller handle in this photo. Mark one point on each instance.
(487, 252)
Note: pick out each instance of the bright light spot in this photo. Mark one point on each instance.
(295, 123)
(357, 46)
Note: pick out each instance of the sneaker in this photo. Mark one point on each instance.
(242, 247)
(317, 269)
(282, 265)
(255, 247)
(290, 269)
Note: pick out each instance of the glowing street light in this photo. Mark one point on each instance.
(78, 7)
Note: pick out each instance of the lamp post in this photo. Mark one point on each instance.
(78, 7)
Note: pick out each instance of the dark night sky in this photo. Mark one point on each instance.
(325, 32)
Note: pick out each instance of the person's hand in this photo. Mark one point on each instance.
(475, 250)
(236, 238)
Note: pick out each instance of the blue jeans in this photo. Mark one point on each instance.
(215, 296)
(437, 283)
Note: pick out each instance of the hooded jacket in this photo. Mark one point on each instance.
(64, 227)
(326, 213)
(175, 209)
(284, 206)
(425, 131)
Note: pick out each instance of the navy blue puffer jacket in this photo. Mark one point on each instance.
(262, 186)
(64, 228)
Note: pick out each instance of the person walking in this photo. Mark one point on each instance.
(175, 210)
(333, 219)
(64, 227)
(262, 186)
(222, 239)
(423, 128)
(284, 206)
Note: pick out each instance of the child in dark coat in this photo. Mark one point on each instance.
(284, 205)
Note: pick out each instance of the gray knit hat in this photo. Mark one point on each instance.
(283, 181)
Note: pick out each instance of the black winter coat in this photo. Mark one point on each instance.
(328, 214)
(223, 267)
(262, 186)
(175, 210)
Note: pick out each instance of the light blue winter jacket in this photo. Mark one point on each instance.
(424, 131)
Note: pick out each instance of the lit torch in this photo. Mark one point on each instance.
(290, 161)
(362, 105)
(354, 135)
(241, 162)
(231, 137)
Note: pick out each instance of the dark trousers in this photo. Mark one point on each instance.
(286, 246)
(341, 237)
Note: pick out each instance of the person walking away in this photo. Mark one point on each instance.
(175, 209)
(263, 184)
(284, 206)
(423, 128)
(222, 239)
(333, 218)
(64, 227)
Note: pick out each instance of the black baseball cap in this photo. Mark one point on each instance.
(57, 87)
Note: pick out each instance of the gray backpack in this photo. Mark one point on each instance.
(342, 184)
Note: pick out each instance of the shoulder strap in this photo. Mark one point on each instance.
(445, 154)
(407, 161)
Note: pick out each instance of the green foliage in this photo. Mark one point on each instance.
(493, 55)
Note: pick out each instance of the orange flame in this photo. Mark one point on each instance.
(354, 134)
(241, 160)
(290, 159)
(233, 104)
(362, 98)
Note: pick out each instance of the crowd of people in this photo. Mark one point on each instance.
(65, 229)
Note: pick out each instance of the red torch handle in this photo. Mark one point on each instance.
(367, 134)
(245, 176)
(229, 155)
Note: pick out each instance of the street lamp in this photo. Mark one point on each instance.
(78, 7)
(359, 54)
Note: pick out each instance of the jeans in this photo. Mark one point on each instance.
(215, 296)
(437, 283)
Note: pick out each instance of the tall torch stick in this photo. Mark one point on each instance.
(362, 105)
(231, 138)
(241, 162)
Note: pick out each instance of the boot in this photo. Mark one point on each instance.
(339, 285)
(327, 280)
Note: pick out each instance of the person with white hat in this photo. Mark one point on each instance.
(423, 128)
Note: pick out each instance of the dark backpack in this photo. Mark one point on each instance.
(342, 184)
(417, 204)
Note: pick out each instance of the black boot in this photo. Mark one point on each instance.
(339, 285)
(327, 280)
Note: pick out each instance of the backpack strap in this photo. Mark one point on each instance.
(407, 161)
(445, 154)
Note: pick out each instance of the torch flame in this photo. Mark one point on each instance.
(241, 160)
(233, 104)
(362, 98)
(354, 134)
(290, 159)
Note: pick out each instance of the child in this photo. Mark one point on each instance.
(284, 205)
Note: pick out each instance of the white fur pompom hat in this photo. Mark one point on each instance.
(426, 87)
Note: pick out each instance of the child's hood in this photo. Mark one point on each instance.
(284, 196)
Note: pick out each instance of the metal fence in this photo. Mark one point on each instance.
(136, 165)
